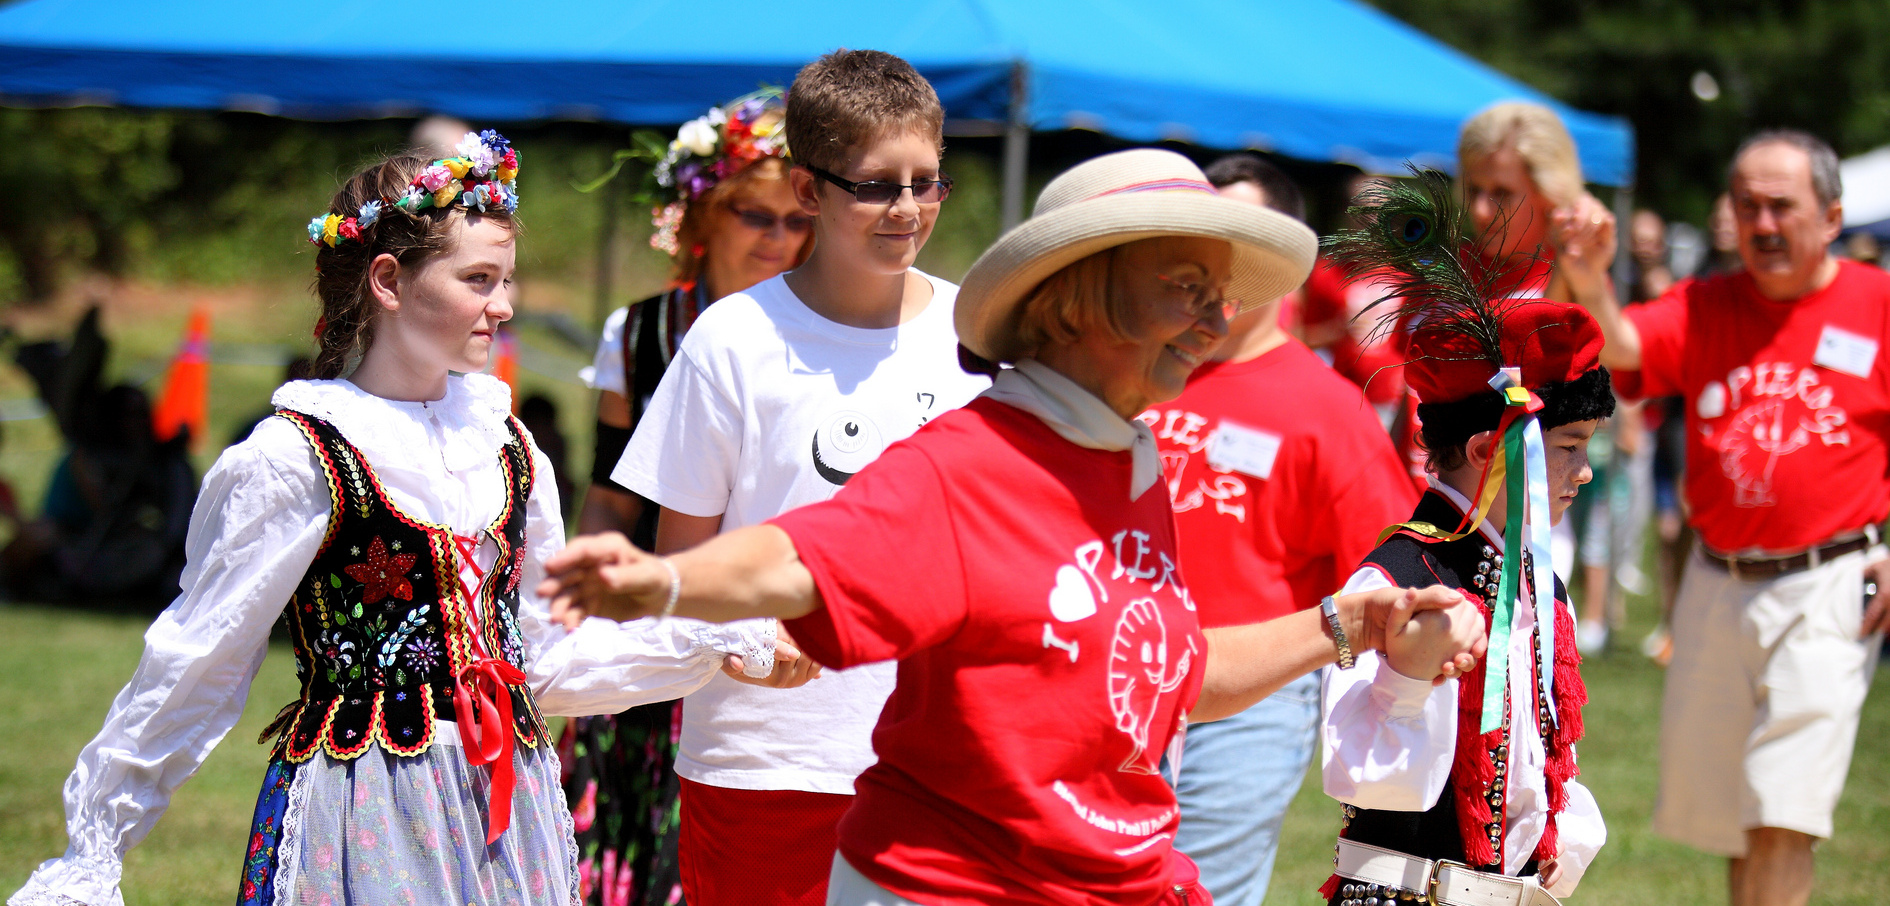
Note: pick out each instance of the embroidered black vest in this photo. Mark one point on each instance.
(380, 624)
(1479, 772)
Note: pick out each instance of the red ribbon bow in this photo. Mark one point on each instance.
(482, 704)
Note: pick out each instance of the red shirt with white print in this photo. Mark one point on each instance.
(1281, 479)
(1048, 655)
(1787, 405)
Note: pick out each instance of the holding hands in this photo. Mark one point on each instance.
(1433, 632)
(604, 575)
(1583, 237)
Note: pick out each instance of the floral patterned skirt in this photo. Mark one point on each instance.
(385, 830)
(620, 777)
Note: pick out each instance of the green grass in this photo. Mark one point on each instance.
(60, 669)
(1619, 760)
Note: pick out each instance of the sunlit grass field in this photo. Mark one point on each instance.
(60, 669)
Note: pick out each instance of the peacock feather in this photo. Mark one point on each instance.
(1416, 239)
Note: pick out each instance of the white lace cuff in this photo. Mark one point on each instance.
(752, 639)
(72, 880)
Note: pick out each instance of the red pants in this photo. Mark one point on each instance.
(742, 847)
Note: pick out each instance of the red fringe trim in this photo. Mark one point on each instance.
(1329, 888)
(1471, 768)
(1570, 695)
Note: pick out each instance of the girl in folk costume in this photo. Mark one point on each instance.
(725, 215)
(396, 513)
(1464, 791)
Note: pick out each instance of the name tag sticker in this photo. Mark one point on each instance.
(1841, 350)
(1237, 448)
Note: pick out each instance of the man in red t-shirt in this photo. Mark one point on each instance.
(1788, 408)
(1281, 479)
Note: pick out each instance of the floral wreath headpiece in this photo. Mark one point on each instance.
(705, 151)
(483, 175)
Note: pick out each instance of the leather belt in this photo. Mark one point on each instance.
(1773, 567)
(1442, 883)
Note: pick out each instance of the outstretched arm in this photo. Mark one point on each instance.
(750, 572)
(1583, 235)
(1247, 663)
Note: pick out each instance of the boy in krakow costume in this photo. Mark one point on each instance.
(1464, 792)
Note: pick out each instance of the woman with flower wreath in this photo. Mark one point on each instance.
(724, 213)
(390, 512)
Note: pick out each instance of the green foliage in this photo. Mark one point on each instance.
(1817, 65)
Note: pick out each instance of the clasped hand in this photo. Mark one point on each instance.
(1430, 633)
(604, 575)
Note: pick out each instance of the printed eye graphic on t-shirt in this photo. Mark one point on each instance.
(844, 444)
(1758, 415)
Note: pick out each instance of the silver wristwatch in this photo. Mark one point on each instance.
(1331, 609)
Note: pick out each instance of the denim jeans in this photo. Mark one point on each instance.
(1238, 776)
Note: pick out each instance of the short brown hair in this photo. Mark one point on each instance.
(1071, 302)
(707, 214)
(850, 98)
(346, 326)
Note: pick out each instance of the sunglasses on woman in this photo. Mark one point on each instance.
(763, 221)
(879, 191)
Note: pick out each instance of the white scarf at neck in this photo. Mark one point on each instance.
(1079, 417)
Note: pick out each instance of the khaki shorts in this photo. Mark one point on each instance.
(1762, 701)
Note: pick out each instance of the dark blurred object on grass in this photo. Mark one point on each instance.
(540, 416)
(111, 529)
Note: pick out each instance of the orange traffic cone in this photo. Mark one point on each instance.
(186, 400)
(505, 362)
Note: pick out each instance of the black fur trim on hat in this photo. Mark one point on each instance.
(1449, 425)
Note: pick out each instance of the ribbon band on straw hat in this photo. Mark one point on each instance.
(1113, 200)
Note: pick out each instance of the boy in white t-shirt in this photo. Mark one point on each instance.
(778, 396)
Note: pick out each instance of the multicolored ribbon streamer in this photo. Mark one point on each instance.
(1543, 587)
(1518, 463)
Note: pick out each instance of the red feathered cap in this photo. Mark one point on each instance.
(1553, 342)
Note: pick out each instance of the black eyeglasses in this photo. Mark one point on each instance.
(879, 191)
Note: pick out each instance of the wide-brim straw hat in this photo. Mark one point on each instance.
(1115, 199)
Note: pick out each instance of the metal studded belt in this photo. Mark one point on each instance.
(1375, 876)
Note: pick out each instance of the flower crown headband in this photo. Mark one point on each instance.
(484, 175)
(705, 151)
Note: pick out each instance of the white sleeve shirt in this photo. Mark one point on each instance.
(1389, 741)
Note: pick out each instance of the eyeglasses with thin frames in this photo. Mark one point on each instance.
(1200, 298)
(763, 221)
(879, 191)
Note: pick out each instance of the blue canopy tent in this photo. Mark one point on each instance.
(1324, 80)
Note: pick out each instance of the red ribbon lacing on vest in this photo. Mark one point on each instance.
(482, 703)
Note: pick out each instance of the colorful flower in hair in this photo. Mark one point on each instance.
(481, 176)
(705, 151)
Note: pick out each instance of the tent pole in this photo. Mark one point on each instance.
(1016, 148)
(1623, 220)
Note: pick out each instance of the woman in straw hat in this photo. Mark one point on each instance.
(1011, 557)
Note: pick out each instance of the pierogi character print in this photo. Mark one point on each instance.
(1762, 413)
(1146, 658)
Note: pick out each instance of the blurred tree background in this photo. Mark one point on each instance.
(1693, 76)
(152, 212)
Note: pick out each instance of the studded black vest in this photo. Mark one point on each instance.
(380, 623)
(1473, 565)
